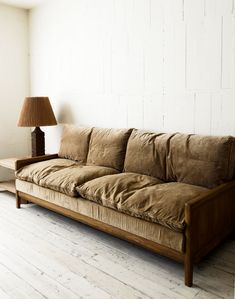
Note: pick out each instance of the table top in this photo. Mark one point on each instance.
(10, 162)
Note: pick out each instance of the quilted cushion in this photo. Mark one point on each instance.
(61, 174)
(146, 153)
(75, 143)
(35, 172)
(201, 160)
(110, 189)
(66, 180)
(108, 147)
(143, 197)
(163, 203)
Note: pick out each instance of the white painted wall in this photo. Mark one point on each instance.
(14, 82)
(165, 65)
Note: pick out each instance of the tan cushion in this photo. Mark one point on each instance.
(61, 174)
(201, 160)
(108, 147)
(75, 143)
(141, 197)
(162, 203)
(110, 189)
(67, 179)
(146, 153)
(37, 171)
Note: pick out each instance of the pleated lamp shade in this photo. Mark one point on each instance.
(37, 112)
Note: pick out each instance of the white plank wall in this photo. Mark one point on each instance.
(165, 65)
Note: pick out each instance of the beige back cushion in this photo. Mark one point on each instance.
(108, 147)
(75, 143)
(201, 160)
(146, 153)
(193, 159)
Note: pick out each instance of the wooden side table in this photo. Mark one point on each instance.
(8, 185)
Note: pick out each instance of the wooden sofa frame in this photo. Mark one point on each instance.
(209, 218)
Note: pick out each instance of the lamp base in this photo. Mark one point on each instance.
(38, 142)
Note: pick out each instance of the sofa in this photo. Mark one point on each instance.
(170, 193)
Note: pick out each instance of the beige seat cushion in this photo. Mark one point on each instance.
(75, 143)
(66, 180)
(146, 153)
(37, 171)
(113, 189)
(141, 197)
(201, 160)
(108, 147)
(61, 174)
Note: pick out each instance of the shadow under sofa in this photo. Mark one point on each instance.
(170, 193)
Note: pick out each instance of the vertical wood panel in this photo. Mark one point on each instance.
(219, 7)
(153, 49)
(134, 107)
(176, 105)
(154, 59)
(216, 110)
(174, 55)
(202, 113)
(204, 53)
(227, 52)
(227, 116)
(154, 113)
(194, 9)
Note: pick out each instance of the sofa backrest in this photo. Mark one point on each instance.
(146, 153)
(193, 159)
(108, 147)
(74, 143)
(201, 160)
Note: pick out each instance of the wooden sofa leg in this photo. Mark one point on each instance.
(188, 259)
(188, 271)
(18, 201)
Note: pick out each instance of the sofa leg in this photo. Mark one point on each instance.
(18, 201)
(188, 271)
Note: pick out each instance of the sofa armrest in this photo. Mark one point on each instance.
(23, 162)
(209, 219)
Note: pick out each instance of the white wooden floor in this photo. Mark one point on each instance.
(45, 255)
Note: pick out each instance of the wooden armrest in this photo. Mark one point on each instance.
(23, 162)
(210, 218)
(210, 195)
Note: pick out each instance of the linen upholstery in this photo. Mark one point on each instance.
(108, 147)
(62, 175)
(158, 202)
(148, 230)
(66, 180)
(37, 171)
(111, 190)
(146, 153)
(201, 160)
(75, 143)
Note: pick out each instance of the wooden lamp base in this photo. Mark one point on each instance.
(38, 142)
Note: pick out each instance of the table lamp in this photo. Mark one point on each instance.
(36, 112)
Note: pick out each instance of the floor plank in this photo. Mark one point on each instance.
(46, 255)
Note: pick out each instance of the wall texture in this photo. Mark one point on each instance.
(14, 82)
(165, 65)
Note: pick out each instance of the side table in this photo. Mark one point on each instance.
(8, 185)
